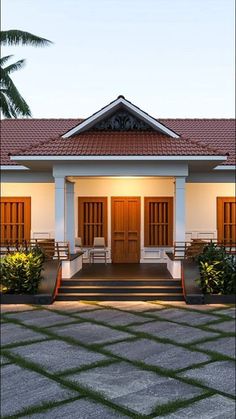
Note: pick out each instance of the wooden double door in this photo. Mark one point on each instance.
(125, 229)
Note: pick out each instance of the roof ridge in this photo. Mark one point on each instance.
(206, 146)
(40, 143)
(197, 119)
(40, 119)
(82, 119)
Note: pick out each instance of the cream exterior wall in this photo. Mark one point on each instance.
(42, 205)
(200, 203)
(201, 217)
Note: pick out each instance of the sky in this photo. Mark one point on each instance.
(172, 58)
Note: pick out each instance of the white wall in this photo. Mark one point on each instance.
(42, 204)
(201, 207)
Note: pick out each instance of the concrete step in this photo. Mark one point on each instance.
(109, 282)
(119, 289)
(120, 297)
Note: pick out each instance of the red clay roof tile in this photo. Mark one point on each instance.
(41, 137)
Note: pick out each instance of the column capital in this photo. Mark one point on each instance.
(180, 182)
(59, 182)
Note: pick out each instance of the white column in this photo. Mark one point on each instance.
(59, 209)
(180, 209)
(70, 216)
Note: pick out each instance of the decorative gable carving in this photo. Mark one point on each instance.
(122, 121)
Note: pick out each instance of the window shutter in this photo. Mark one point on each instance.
(92, 219)
(158, 221)
(226, 219)
(15, 219)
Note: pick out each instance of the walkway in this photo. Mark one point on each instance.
(118, 360)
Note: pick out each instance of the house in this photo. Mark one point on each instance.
(142, 183)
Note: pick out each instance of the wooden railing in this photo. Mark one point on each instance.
(51, 249)
(191, 249)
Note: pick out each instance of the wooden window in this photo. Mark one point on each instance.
(92, 219)
(158, 221)
(15, 219)
(226, 219)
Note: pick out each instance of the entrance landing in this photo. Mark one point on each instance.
(124, 271)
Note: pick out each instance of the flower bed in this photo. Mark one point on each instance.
(217, 271)
(21, 271)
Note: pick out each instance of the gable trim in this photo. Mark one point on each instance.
(90, 121)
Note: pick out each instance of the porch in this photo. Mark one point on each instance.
(144, 281)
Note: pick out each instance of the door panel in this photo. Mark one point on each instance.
(125, 230)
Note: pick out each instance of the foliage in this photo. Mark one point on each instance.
(12, 103)
(217, 270)
(21, 271)
(16, 37)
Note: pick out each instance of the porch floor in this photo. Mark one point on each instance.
(124, 271)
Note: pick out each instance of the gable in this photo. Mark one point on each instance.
(122, 120)
(118, 116)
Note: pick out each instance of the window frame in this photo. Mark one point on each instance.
(91, 199)
(220, 201)
(147, 201)
(26, 216)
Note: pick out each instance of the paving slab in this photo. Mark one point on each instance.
(223, 346)
(189, 317)
(132, 305)
(56, 355)
(199, 307)
(231, 312)
(227, 326)
(214, 407)
(82, 408)
(4, 360)
(13, 333)
(136, 389)
(7, 308)
(114, 317)
(162, 355)
(71, 306)
(90, 333)
(174, 332)
(41, 318)
(23, 389)
(219, 375)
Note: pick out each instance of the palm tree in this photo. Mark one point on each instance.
(16, 37)
(12, 103)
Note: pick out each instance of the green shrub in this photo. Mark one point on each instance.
(21, 271)
(217, 271)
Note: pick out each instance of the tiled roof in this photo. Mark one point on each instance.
(17, 134)
(41, 137)
(125, 143)
(217, 133)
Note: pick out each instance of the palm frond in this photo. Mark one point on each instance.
(16, 104)
(3, 60)
(14, 67)
(17, 37)
(5, 106)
